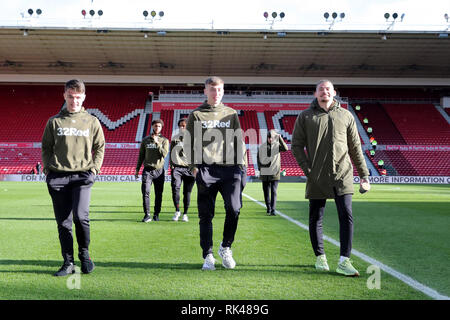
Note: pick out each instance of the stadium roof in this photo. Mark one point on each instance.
(247, 53)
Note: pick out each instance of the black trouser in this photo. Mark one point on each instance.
(211, 180)
(344, 209)
(182, 175)
(155, 176)
(270, 194)
(71, 195)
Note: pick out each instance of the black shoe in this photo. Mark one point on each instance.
(146, 219)
(156, 218)
(87, 265)
(272, 213)
(65, 270)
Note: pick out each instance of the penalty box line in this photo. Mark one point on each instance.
(396, 274)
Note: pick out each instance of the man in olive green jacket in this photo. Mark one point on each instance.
(331, 138)
(269, 165)
(152, 152)
(73, 147)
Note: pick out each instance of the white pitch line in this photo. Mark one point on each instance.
(404, 278)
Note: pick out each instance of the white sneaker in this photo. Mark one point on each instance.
(227, 257)
(209, 262)
(185, 218)
(176, 216)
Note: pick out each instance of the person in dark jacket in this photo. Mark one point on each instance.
(152, 152)
(180, 173)
(73, 147)
(331, 138)
(269, 164)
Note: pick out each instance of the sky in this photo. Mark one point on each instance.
(420, 15)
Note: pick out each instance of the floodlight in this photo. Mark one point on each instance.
(266, 15)
(38, 11)
(100, 12)
(161, 14)
(145, 13)
(326, 15)
(282, 15)
(153, 13)
(386, 15)
(274, 14)
(395, 15)
(30, 11)
(334, 15)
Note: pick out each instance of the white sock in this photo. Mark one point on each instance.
(342, 258)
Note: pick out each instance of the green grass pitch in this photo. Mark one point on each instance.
(403, 226)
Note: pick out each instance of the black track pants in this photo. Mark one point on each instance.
(211, 180)
(156, 177)
(270, 194)
(71, 195)
(182, 175)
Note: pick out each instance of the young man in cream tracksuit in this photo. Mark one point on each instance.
(215, 155)
(152, 152)
(180, 173)
(73, 147)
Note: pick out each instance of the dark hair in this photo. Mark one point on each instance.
(182, 120)
(75, 84)
(214, 81)
(158, 121)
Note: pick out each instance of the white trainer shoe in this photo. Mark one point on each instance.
(209, 262)
(185, 218)
(176, 216)
(227, 257)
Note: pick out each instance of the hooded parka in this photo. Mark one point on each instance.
(332, 142)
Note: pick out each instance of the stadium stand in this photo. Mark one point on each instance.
(419, 123)
(126, 114)
(414, 163)
(384, 129)
(26, 109)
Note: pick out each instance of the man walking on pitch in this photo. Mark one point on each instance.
(180, 173)
(331, 138)
(216, 152)
(73, 146)
(269, 164)
(152, 152)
